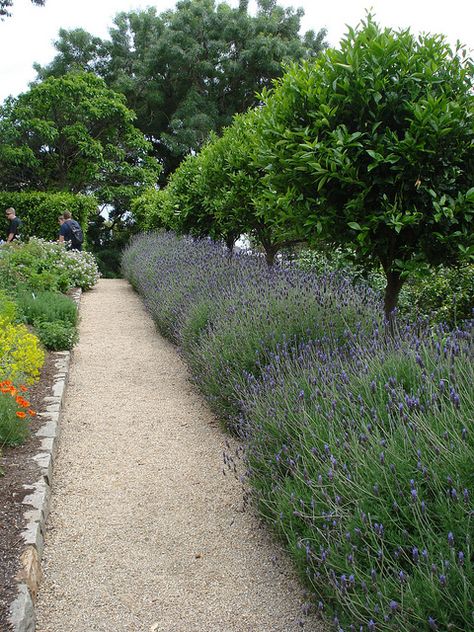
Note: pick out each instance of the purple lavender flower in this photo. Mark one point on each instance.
(432, 623)
(394, 605)
(450, 539)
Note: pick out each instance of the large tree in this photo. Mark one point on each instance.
(73, 133)
(372, 146)
(187, 71)
(6, 4)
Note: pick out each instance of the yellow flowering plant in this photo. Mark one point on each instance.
(21, 356)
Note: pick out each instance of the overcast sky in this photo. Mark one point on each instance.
(28, 35)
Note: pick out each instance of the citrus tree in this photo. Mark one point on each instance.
(371, 146)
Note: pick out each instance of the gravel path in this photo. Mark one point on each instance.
(145, 533)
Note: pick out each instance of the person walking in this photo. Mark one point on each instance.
(70, 232)
(13, 226)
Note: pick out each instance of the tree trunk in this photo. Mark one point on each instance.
(229, 242)
(270, 253)
(392, 291)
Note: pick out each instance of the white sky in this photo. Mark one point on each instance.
(27, 36)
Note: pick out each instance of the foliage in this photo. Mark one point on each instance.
(74, 134)
(446, 294)
(358, 446)
(56, 335)
(229, 314)
(6, 4)
(216, 193)
(21, 356)
(8, 308)
(360, 458)
(371, 146)
(442, 294)
(42, 265)
(39, 211)
(14, 413)
(47, 307)
(178, 103)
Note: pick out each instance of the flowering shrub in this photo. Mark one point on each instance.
(229, 314)
(21, 356)
(14, 413)
(361, 456)
(44, 265)
(358, 443)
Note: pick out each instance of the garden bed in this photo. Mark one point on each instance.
(18, 469)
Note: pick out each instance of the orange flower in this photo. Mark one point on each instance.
(31, 413)
(23, 388)
(20, 414)
(8, 383)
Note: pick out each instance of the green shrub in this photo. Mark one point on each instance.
(57, 335)
(8, 308)
(445, 294)
(47, 307)
(39, 211)
(40, 265)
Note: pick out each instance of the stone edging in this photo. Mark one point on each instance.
(22, 610)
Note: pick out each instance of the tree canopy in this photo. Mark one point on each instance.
(73, 133)
(372, 146)
(188, 70)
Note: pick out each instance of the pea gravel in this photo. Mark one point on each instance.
(145, 533)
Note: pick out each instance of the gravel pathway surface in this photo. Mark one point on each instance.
(145, 533)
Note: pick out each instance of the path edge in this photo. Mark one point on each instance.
(37, 503)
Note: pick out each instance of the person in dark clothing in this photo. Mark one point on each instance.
(13, 226)
(70, 231)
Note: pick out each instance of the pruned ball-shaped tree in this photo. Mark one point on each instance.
(372, 146)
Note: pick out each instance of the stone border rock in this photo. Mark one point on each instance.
(22, 610)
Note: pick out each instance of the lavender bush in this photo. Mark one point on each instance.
(229, 314)
(359, 445)
(362, 456)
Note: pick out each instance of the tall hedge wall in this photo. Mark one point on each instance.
(39, 211)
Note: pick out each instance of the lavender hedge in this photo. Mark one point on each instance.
(359, 445)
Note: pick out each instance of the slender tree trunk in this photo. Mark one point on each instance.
(270, 253)
(229, 242)
(392, 291)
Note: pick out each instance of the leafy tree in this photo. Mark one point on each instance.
(372, 146)
(6, 4)
(73, 134)
(187, 71)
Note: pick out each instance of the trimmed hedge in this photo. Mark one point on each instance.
(39, 211)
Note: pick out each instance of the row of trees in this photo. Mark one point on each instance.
(111, 117)
(370, 146)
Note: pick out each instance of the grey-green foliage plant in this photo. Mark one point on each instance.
(47, 307)
(372, 146)
(186, 71)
